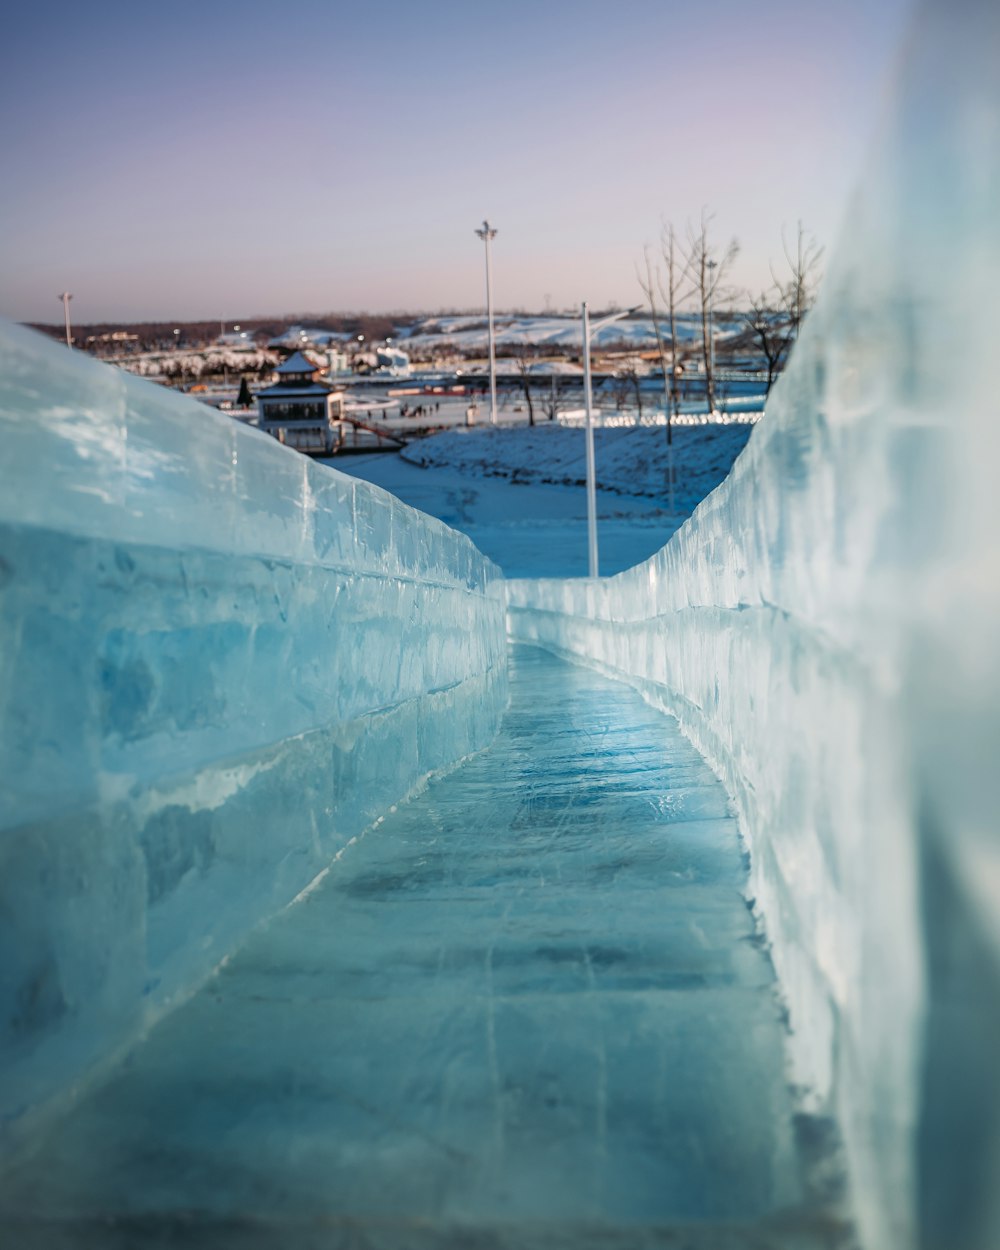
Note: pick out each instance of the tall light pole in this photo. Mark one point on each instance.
(710, 265)
(488, 234)
(588, 330)
(66, 297)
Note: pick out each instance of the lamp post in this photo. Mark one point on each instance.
(488, 233)
(66, 297)
(588, 330)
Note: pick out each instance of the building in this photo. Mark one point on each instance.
(300, 410)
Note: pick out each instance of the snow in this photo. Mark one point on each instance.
(219, 662)
(630, 461)
(210, 361)
(518, 492)
(527, 530)
(469, 333)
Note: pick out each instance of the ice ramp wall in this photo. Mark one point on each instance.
(825, 627)
(218, 663)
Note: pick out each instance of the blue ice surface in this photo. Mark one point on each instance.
(531, 1007)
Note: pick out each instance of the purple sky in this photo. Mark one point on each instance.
(223, 159)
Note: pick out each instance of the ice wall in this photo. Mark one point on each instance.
(826, 629)
(218, 663)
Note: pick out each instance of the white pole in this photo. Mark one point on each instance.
(488, 234)
(66, 297)
(591, 472)
(589, 401)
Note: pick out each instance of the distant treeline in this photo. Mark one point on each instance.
(150, 335)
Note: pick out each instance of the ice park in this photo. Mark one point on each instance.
(369, 883)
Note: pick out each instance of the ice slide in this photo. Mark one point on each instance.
(219, 664)
(530, 1009)
(529, 1003)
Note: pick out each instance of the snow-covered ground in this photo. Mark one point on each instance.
(519, 493)
(630, 461)
(467, 333)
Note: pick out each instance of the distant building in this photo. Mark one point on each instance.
(337, 361)
(299, 409)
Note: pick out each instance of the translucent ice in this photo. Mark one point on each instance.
(218, 663)
(529, 1011)
(825, 627)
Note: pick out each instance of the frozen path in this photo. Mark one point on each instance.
(529, 1009)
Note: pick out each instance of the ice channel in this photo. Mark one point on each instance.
(218, 665)
(530, 1008)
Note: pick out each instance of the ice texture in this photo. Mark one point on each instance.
(530, 1009)
(825, 627)
(219, 662)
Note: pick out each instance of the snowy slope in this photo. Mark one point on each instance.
(629, 462)
(528, 529)
(468, 333)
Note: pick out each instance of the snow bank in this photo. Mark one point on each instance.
(218, 664)
(825, 628)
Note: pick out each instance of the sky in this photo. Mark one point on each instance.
(246, 159)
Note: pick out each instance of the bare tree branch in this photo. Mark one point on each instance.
(708, 269)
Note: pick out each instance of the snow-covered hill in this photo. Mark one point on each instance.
(468, 333)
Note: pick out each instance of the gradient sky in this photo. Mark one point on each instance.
(231, 159)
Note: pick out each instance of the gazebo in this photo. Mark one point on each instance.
(300, 410)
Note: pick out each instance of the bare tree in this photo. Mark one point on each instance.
(649, 289)
(671, 282)
(708, 267)
(524, 375)
(630, 376)
(798, 291)
(775, 317)
(672, 285)
(769, 330)
(556, 400)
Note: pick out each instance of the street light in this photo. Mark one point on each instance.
(66, 297)
(588, 330)
(488, 234)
